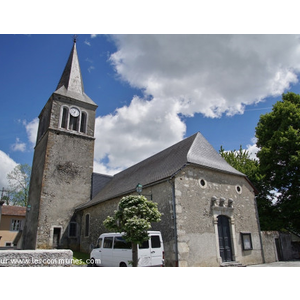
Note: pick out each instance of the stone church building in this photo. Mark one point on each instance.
(209, 209)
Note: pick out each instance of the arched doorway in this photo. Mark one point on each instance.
(224, 238)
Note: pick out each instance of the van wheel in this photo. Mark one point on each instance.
(122, 264)
(92, 263)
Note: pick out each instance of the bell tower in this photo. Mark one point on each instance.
(62, 163)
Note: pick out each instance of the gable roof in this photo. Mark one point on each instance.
(163, 165)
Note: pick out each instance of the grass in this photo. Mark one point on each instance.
(80, 258)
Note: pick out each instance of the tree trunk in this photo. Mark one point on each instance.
(134, 255)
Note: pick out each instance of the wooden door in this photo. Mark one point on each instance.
(56, 237)
(224, 238)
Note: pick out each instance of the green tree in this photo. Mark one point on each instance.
(134, 217)
(241, 161)
(278, 136)
(18, 180)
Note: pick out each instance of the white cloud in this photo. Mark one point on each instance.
(253, 149)
(188, 74)
(18, 146)
(87, 42)
(208, 74)
(31, 129)
(7, 165)
(101, 168)
(91, 68)
(136, 131)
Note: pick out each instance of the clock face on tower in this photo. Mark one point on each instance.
(74, 112)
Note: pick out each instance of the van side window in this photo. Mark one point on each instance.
(120, 243)
(99, 243)
(145, 245)
(108, 241)
(155, 241)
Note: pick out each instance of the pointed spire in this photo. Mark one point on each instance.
(71, 78)
(71, 84)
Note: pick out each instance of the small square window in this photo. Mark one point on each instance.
(246, 241)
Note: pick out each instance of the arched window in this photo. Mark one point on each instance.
(73, 123)
(83, 122)
(87, 225)
(64, 119)
(73, 119)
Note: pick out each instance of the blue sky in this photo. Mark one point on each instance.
(151, 90)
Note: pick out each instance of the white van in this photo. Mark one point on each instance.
(113, 251)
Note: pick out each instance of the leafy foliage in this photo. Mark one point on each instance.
(278, 136)
(241, 161)
(134, 217)
(19, 179)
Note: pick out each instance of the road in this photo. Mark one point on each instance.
(295, 263)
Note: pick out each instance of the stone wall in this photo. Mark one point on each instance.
(196, 217)
(160, 193)
(269, 245)
(202, 195)
(36, 258)
(61, 177)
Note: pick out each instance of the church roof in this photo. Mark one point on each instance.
(71, 83)
(163, 165)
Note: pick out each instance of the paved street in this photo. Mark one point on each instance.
(280, 264)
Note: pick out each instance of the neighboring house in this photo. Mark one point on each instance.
(12, 221)
(209, 210)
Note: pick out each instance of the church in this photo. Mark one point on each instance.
(209, 209)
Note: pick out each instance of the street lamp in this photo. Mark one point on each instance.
(139, 188)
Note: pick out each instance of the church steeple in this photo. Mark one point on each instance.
(62, 163)
(71, 83)
(71, 78)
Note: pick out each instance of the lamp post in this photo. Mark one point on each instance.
(139, 188)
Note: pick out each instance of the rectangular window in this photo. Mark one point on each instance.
(16, 225)
(73, 229)
(120, 243)
(246, 241)
(155, 241)
(87, 225)
(145, 245)
(108, 241)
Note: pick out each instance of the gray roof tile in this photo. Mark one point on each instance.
(194, 149)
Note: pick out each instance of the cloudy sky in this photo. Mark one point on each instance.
(151, 90)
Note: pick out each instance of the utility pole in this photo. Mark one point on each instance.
(1, 203)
